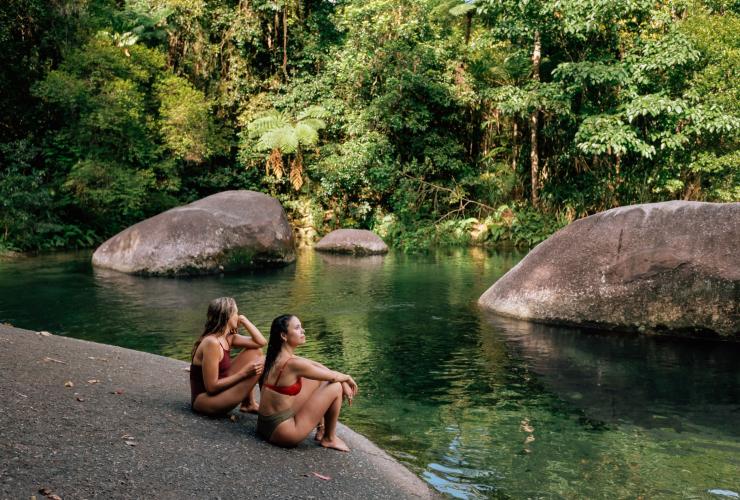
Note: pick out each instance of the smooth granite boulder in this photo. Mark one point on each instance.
(224, 232)
(353, 241)
(670, 267)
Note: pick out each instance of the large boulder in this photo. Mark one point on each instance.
(226, 231)
(670, 267)
(353, 241)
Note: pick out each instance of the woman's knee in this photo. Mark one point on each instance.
(335, 388)
(255, 353)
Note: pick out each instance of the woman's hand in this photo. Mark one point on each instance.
(347, 392)
(254, 368)
(257, 339)
(350, 382)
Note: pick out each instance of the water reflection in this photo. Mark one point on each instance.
(357, 262)
(617, 377)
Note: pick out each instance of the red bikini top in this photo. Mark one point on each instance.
(288, 390)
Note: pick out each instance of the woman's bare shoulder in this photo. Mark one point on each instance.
(208, 343)
(298, 362)
(209, 340)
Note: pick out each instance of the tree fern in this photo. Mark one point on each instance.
(280, 135)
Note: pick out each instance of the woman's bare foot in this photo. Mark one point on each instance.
(336, 443)
(319, 433)
(249, 408)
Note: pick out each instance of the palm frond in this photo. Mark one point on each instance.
(283, 138)
(462, 9)
(266, 122)
(314, 123)
(313, 112)
(275, 161)
(296, 172)
(306, 135)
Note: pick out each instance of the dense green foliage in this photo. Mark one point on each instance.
(436, 120)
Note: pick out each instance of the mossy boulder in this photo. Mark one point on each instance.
(670, 267)
(227, 231)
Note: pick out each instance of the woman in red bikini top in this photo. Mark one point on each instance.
(218, 383)
(300, 394)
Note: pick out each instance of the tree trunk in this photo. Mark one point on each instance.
(468, 25)
(285, 41)
(534, 156)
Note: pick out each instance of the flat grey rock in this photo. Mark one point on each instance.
(671, 267)
(125, 430)
(223, 232)
(352, 241)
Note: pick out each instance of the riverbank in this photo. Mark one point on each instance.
(81, 419)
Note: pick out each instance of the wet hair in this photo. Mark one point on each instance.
(219, 313)
(278, 327)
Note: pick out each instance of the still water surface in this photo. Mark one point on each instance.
(478, 406)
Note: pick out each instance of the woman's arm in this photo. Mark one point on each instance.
(316, 363)
(302, 367)
(256, 341)
(211, 359)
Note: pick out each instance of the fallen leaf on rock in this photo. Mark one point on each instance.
(45, 334)
(93, 381)
(49, 494)
(47, 359)
(127, 436)
(321, 476)
(69, 383)
(117, 391)
(233, 418)
(80, 399)
(186, 369)
(130, 443)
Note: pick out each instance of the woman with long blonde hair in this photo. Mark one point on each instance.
(217, 382)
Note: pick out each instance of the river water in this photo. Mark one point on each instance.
(477, 405)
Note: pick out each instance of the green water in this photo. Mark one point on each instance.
(476, 405)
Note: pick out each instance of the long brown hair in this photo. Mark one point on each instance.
(278, 327)
(219, 313)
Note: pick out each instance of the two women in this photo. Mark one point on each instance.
(297, 394)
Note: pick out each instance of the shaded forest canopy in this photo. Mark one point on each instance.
(433, 121)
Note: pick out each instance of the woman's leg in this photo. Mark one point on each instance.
(224, 401)
(249, 403)
(326, 402)
(307, 390)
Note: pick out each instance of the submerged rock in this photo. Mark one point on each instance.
(671, 267)
(352, 241)
(223, 232)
